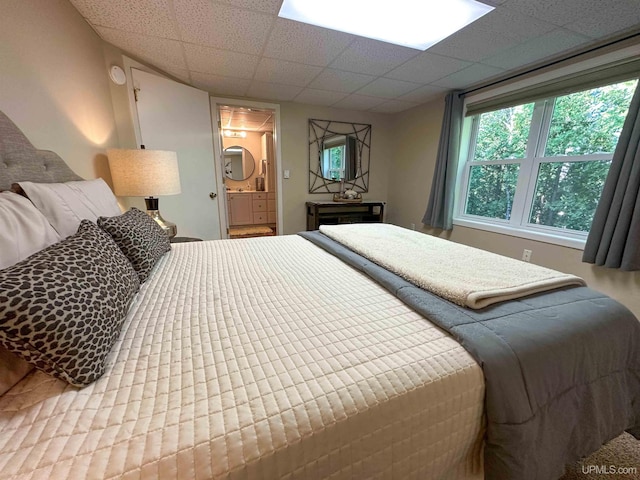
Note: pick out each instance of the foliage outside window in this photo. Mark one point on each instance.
(334, 161)
(540, 167)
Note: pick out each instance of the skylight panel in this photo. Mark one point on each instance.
(411, 23)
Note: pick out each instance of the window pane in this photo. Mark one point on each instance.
(503, 134)
(491, 190)
(333, 162)
(589, 122)
(567, 194)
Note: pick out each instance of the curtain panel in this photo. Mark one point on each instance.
(614, 238)
(439, 212)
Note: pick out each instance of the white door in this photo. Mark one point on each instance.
(176, 117)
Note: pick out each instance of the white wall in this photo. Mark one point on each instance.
(54, 84)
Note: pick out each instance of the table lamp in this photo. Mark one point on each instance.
(146, 173)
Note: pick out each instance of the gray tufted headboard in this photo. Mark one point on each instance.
(21, 161)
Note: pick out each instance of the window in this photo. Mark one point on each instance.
(334, 159)
(538, 169)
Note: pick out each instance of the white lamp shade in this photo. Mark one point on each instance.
(144, 173)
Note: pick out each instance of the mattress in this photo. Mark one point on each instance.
(257, 358)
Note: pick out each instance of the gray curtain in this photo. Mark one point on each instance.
(614, 239)
(439, 212)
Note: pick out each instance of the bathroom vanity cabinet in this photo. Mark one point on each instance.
(251, 208)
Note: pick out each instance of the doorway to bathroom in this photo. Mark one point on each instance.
(248, 152)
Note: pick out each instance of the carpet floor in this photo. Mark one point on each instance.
(617, 460)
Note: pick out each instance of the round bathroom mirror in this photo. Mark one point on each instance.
(239, 164)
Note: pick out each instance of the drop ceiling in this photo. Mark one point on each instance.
(246, 119)
(240, 48)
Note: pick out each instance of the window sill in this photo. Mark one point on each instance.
(576, 243)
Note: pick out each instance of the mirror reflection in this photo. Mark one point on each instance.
(239, 164)
(338, 156)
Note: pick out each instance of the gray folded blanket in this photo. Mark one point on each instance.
(562, 369)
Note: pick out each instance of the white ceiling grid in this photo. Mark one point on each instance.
(242, 48)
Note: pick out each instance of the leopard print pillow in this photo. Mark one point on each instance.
(139, 237)
(62, 308)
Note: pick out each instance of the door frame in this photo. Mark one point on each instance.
(217, 146)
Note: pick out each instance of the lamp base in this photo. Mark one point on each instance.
(170, 228)
(152, 210)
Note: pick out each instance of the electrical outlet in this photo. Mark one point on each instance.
(413, 226)
(526, 255)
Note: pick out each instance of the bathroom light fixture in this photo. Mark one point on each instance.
(232, 134)
(411, 23)
(146, 173)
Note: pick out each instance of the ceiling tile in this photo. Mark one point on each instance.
(268, 6)
(387, 88)
(222, 26)
(313, 96)
(471, 75)
(426, 68)
(246, 119)
(475, 42)
(537, 49)
(287, 73)
(372, 57)
(340, 81)
(627, 17)
(393, 106)
(220, 62)
(423, 94)
(299, 42)
(359, 102)
(148, 17)
(179, 73)
(157, 51)
(219, 85)
(514, 24)
(563, 12)
(273, 91)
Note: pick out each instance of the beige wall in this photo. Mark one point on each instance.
(53, 82)
(417, 133)
(294, 138)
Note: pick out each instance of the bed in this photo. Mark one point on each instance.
(266, 358)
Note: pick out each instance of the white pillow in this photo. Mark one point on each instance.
(24, 231)
(66, 204)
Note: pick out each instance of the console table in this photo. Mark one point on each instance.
(333, 213)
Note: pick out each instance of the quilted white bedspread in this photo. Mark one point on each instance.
(261, 358)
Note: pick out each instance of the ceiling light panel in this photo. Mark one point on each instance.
(411, 23)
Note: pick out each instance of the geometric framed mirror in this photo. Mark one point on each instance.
(339, 156)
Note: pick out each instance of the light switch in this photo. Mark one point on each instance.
(286, 174)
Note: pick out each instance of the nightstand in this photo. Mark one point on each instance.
(184, 239)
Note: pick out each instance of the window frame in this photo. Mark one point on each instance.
(518, 224)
